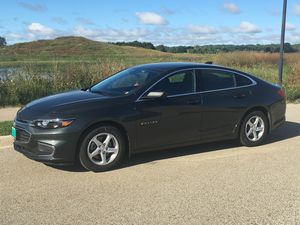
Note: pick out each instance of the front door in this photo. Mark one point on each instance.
(172, 119)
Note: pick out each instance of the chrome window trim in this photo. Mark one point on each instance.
(199, 92)
(195, 81)
(203, 92)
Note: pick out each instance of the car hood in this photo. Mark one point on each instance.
(48, 106)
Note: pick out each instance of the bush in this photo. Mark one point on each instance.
(5, 128)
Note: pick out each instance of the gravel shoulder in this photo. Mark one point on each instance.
(8, 113)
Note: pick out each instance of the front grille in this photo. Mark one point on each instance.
(22, 135)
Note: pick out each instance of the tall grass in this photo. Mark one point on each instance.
(29, 82)
(264, 65)
(35, 79)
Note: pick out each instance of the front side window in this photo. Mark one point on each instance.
(176, 84)
(209, 79)
(126, 81)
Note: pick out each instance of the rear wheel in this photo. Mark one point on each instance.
(102, 149)
(254, 129)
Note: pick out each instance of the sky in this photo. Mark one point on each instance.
(168, 22)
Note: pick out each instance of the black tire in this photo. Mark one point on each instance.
(84, 158)
(243, 136)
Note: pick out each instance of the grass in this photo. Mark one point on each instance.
(5, 128)
(47, 67)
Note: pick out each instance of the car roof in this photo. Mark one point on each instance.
(167, 67)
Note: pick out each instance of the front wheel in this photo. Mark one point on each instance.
(254, 129)
(102, 149)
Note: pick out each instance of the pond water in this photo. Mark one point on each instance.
(13, 73)
(5, 73)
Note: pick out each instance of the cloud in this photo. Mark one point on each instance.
(111, 34)
(158, 35)
(245, 38)
(59, 20)
(14, 36)
(294, 38)
(296, 9)
(247, 27)
(150, 18)
(86, 32)
(201, 29)
(32, 6)
(39, 29)
(190, 34)
(290, 27)
(231, 8)
(84, 21)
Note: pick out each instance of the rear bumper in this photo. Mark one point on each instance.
(277, 114)
(48, 146)
(278, 123)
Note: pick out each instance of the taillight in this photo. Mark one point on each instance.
(281, 92)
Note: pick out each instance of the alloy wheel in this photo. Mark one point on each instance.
(255, 128)
(103, 148)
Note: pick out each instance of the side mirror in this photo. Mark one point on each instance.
(155, 95)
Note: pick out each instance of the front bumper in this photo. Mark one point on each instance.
(50, 146)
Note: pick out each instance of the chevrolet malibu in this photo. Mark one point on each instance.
(148, 107)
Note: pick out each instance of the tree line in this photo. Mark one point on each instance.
(203, 49)
(2, 41)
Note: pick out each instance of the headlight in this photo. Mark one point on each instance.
(52, 124)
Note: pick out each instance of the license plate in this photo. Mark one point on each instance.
(13, 132)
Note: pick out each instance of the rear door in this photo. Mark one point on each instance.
(224, 96)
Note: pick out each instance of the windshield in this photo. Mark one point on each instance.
(125, 82)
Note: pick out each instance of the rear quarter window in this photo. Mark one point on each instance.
(242, 81)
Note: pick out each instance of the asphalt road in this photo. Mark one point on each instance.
(220, 183)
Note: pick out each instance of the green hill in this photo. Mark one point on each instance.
(70, 49)
(70, 46)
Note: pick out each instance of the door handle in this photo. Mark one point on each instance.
(194, 101)
(240, 95)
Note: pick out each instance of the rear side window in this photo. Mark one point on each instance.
(242, 81)
(178, 83)
(208, 80)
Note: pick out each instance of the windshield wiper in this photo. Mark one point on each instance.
(97, 92)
